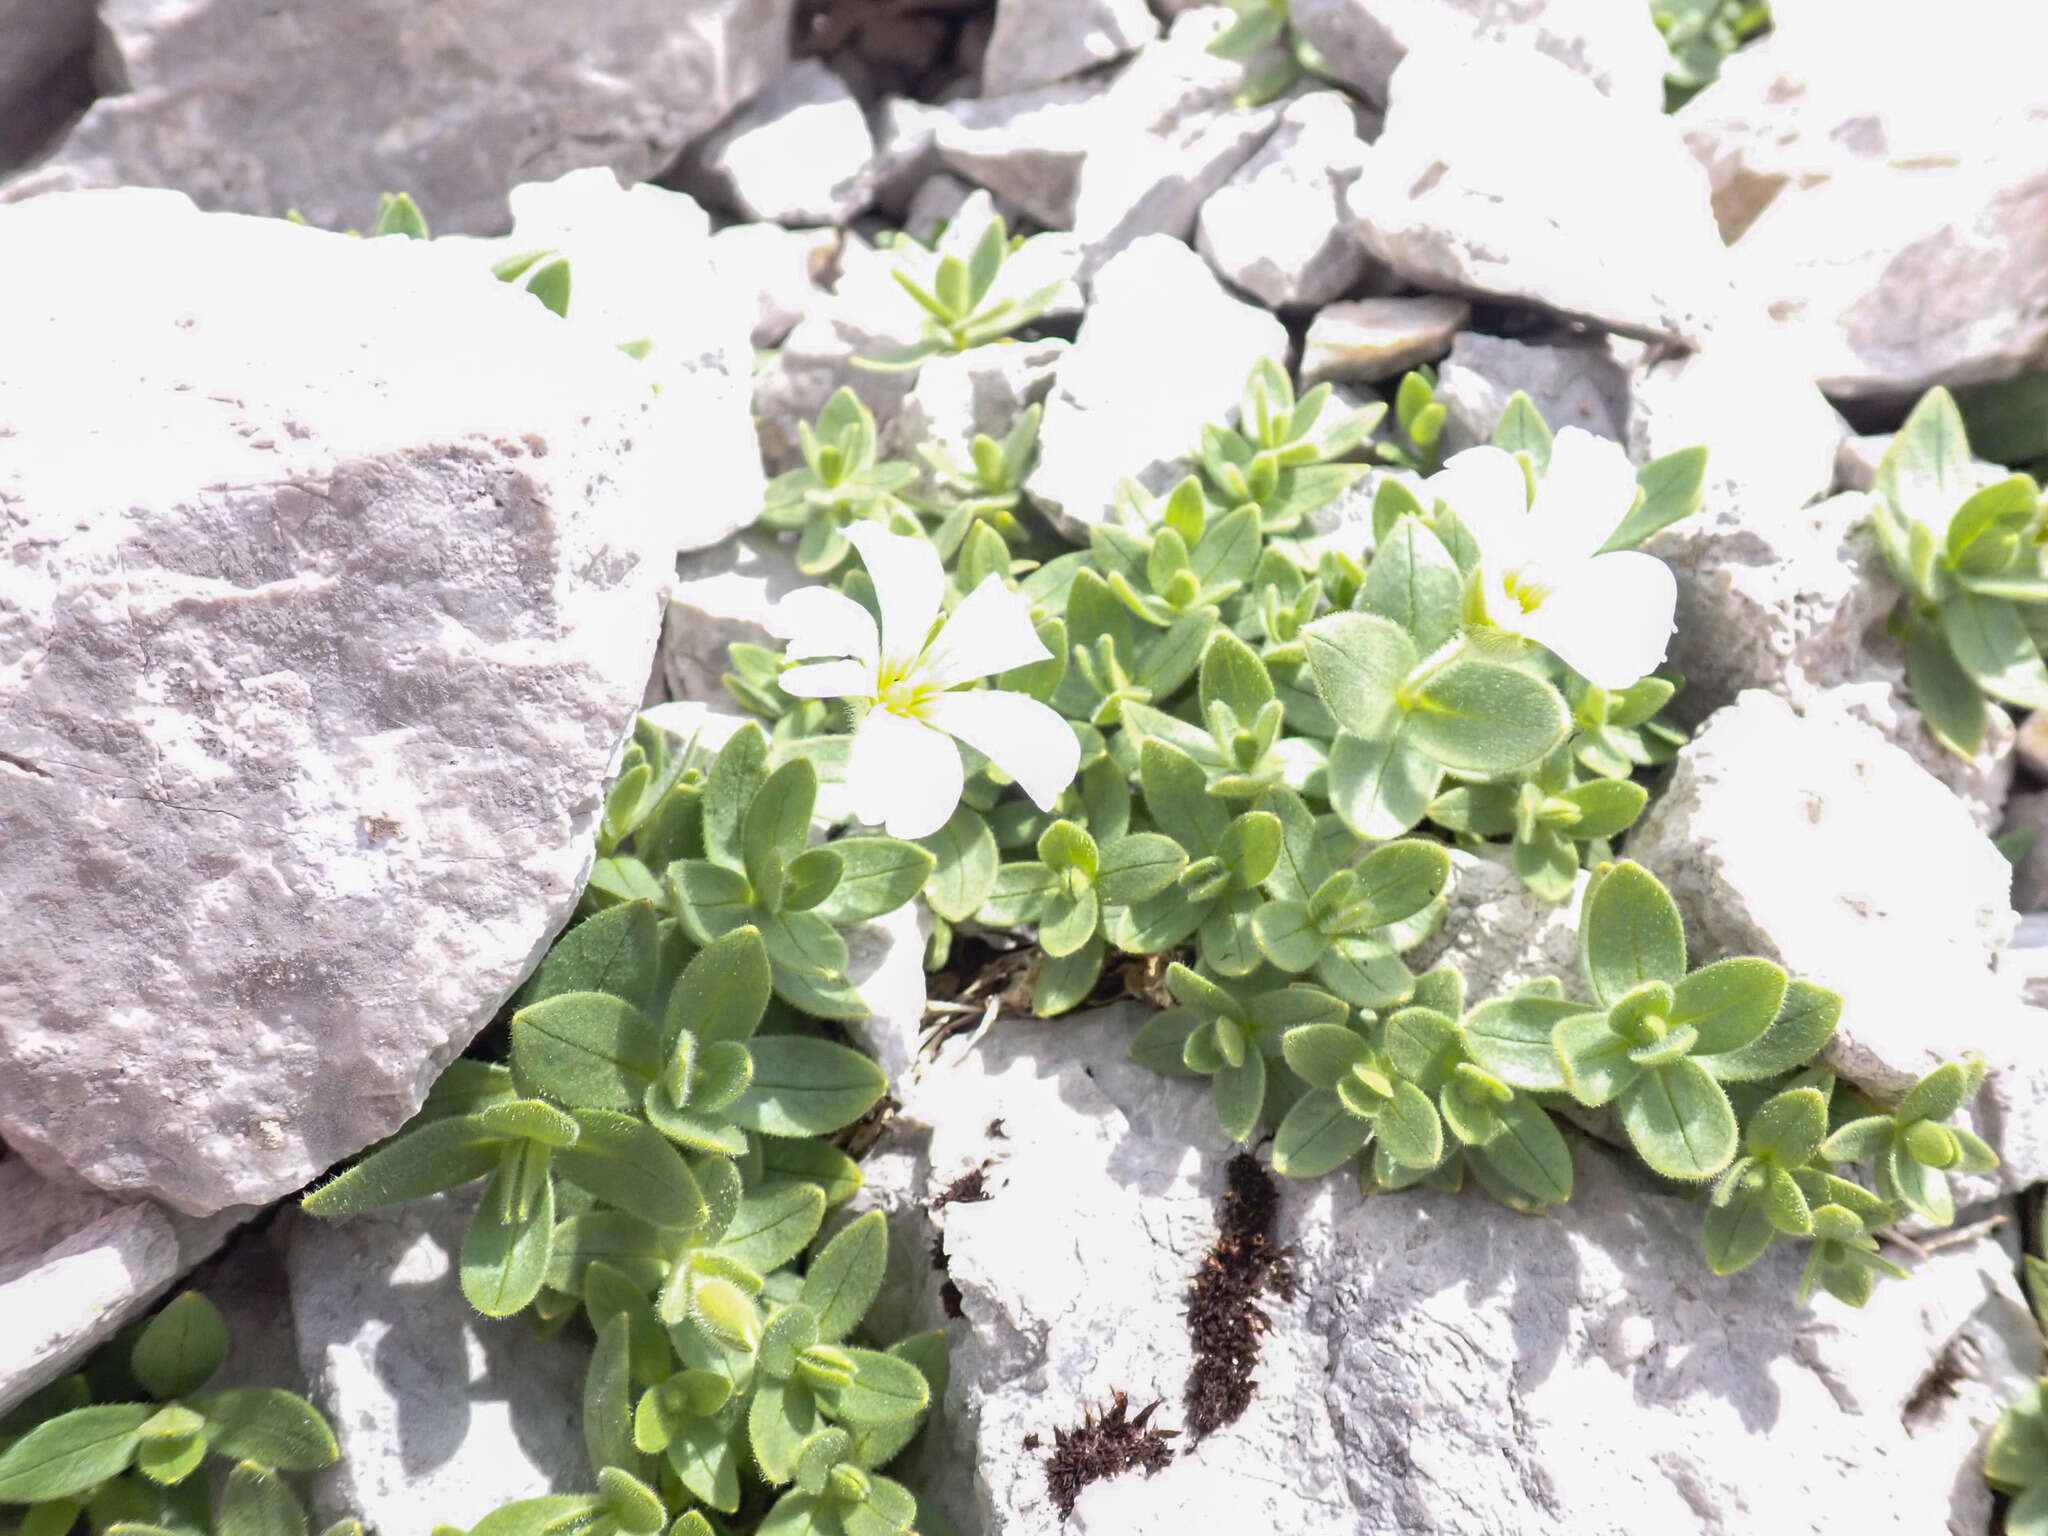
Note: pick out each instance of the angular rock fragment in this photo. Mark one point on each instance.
(1363, 341)
(797, 153)
(1577, 384)
(257, 108)
(1036, 42)
(311, 672)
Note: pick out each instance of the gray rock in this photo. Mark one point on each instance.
(938, 198)
(1795, 110)
(1497, 934)
(1889, 281)
(1815, 842)
(1441, 1363)
(1279, 229)
(1610, 42)
(323, 108)
(784, 269)
(2031, 746)
(982, 390)
(797, 153)
(1572, 385)
(77, 1266)
(2028, 812)
(1162, 350)
(1881, 699)
(1180, 136)
(1366, 340)
(722, 597)
(1601, 215)
(442, 1415)
(301, 774)
(1036, 42)
(42, 35)
(1026, 147)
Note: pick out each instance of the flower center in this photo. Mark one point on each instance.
(901, 692)
(1525, 589)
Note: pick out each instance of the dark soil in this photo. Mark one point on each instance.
(949, 1293)
(1103, 1448)
(1224, 1319)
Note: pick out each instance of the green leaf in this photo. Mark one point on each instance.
(1731, 1003)
(846, 1276)
(1397, 881)
(1529, 1152)
(722, 992)
(784, 1414)
(1380, 787)
(1679, 1120)
(778, 820)
(1409, 1129)
(739, 770)
(1805, 1021)
(1359, 660)
(884, 1390)
(1671, 492)
(1161, 1041)
(1948, 698)
(263, 1424)
(1521, 429)
(1629, 933)
(257, 1503)
(587, 1049)
(2006, 509)
(1138, 866)
(964, 863)
(1485, 717)
(1598, 1063)
(879, 874)
(1177, 795)
(1512, 1038)
(1605, 806)
(805, 943)
(1250, 847)
(1415, 583)
(710, 898)
(1936, 1096)
(536, 1517)
(774, 1225)
(1240, 1094)
(1065, 981)
(180, 1347)
(1479, 810)
(72, 1453)
(1926, 472)
(1990, 641)
(628, 1164)
(426, 1160)
(505, 1255)
(1317, 1136)
(1232, 674)
(817, 1162)
(1288, 936)
(608, 1397)
(613, 951)
(805, 1087)
(1320, 1054)
(1738, 1227)
(1790, 1126)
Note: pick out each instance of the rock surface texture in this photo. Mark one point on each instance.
(333, 584)
(256, 108)
(1439, 1363)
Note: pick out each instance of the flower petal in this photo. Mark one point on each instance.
(1583, 496)
(1609, 619)
(989, 632)
(903, 774)
(1490, 494)
(819, 621)
(908, 585)
(1026, 739)
(830, 680)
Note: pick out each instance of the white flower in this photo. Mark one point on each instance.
(1608, 617)
(904, 772)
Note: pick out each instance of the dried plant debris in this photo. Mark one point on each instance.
(1104, 1448)
(971, 1188)
(1224, 1319)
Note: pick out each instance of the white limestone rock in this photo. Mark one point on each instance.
(1880, 699)
(1612, 43)
(1279, 229)
(1178, 133)
(1026, 147)
(76, 1266)
(442, 1415)
(1553, 195)
(1814, 842)
(797, 153)
(1498, 934)
(722, 596)
(1036, 42)
(1573, 384)
(1440, 1364)
(1363, 341)
(963, 394)
(784, 269)
(254, 108)
(313, 664)
(1162, 350)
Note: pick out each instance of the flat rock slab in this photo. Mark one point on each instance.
(332, 583)
(1442, 1364)
(258, 107)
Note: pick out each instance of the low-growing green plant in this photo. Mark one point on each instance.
(966, 286)
(2016, 1462)
(841, 482)
(1969, 558)
(1274, 55)
(128, 1468)
(1701, 34)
